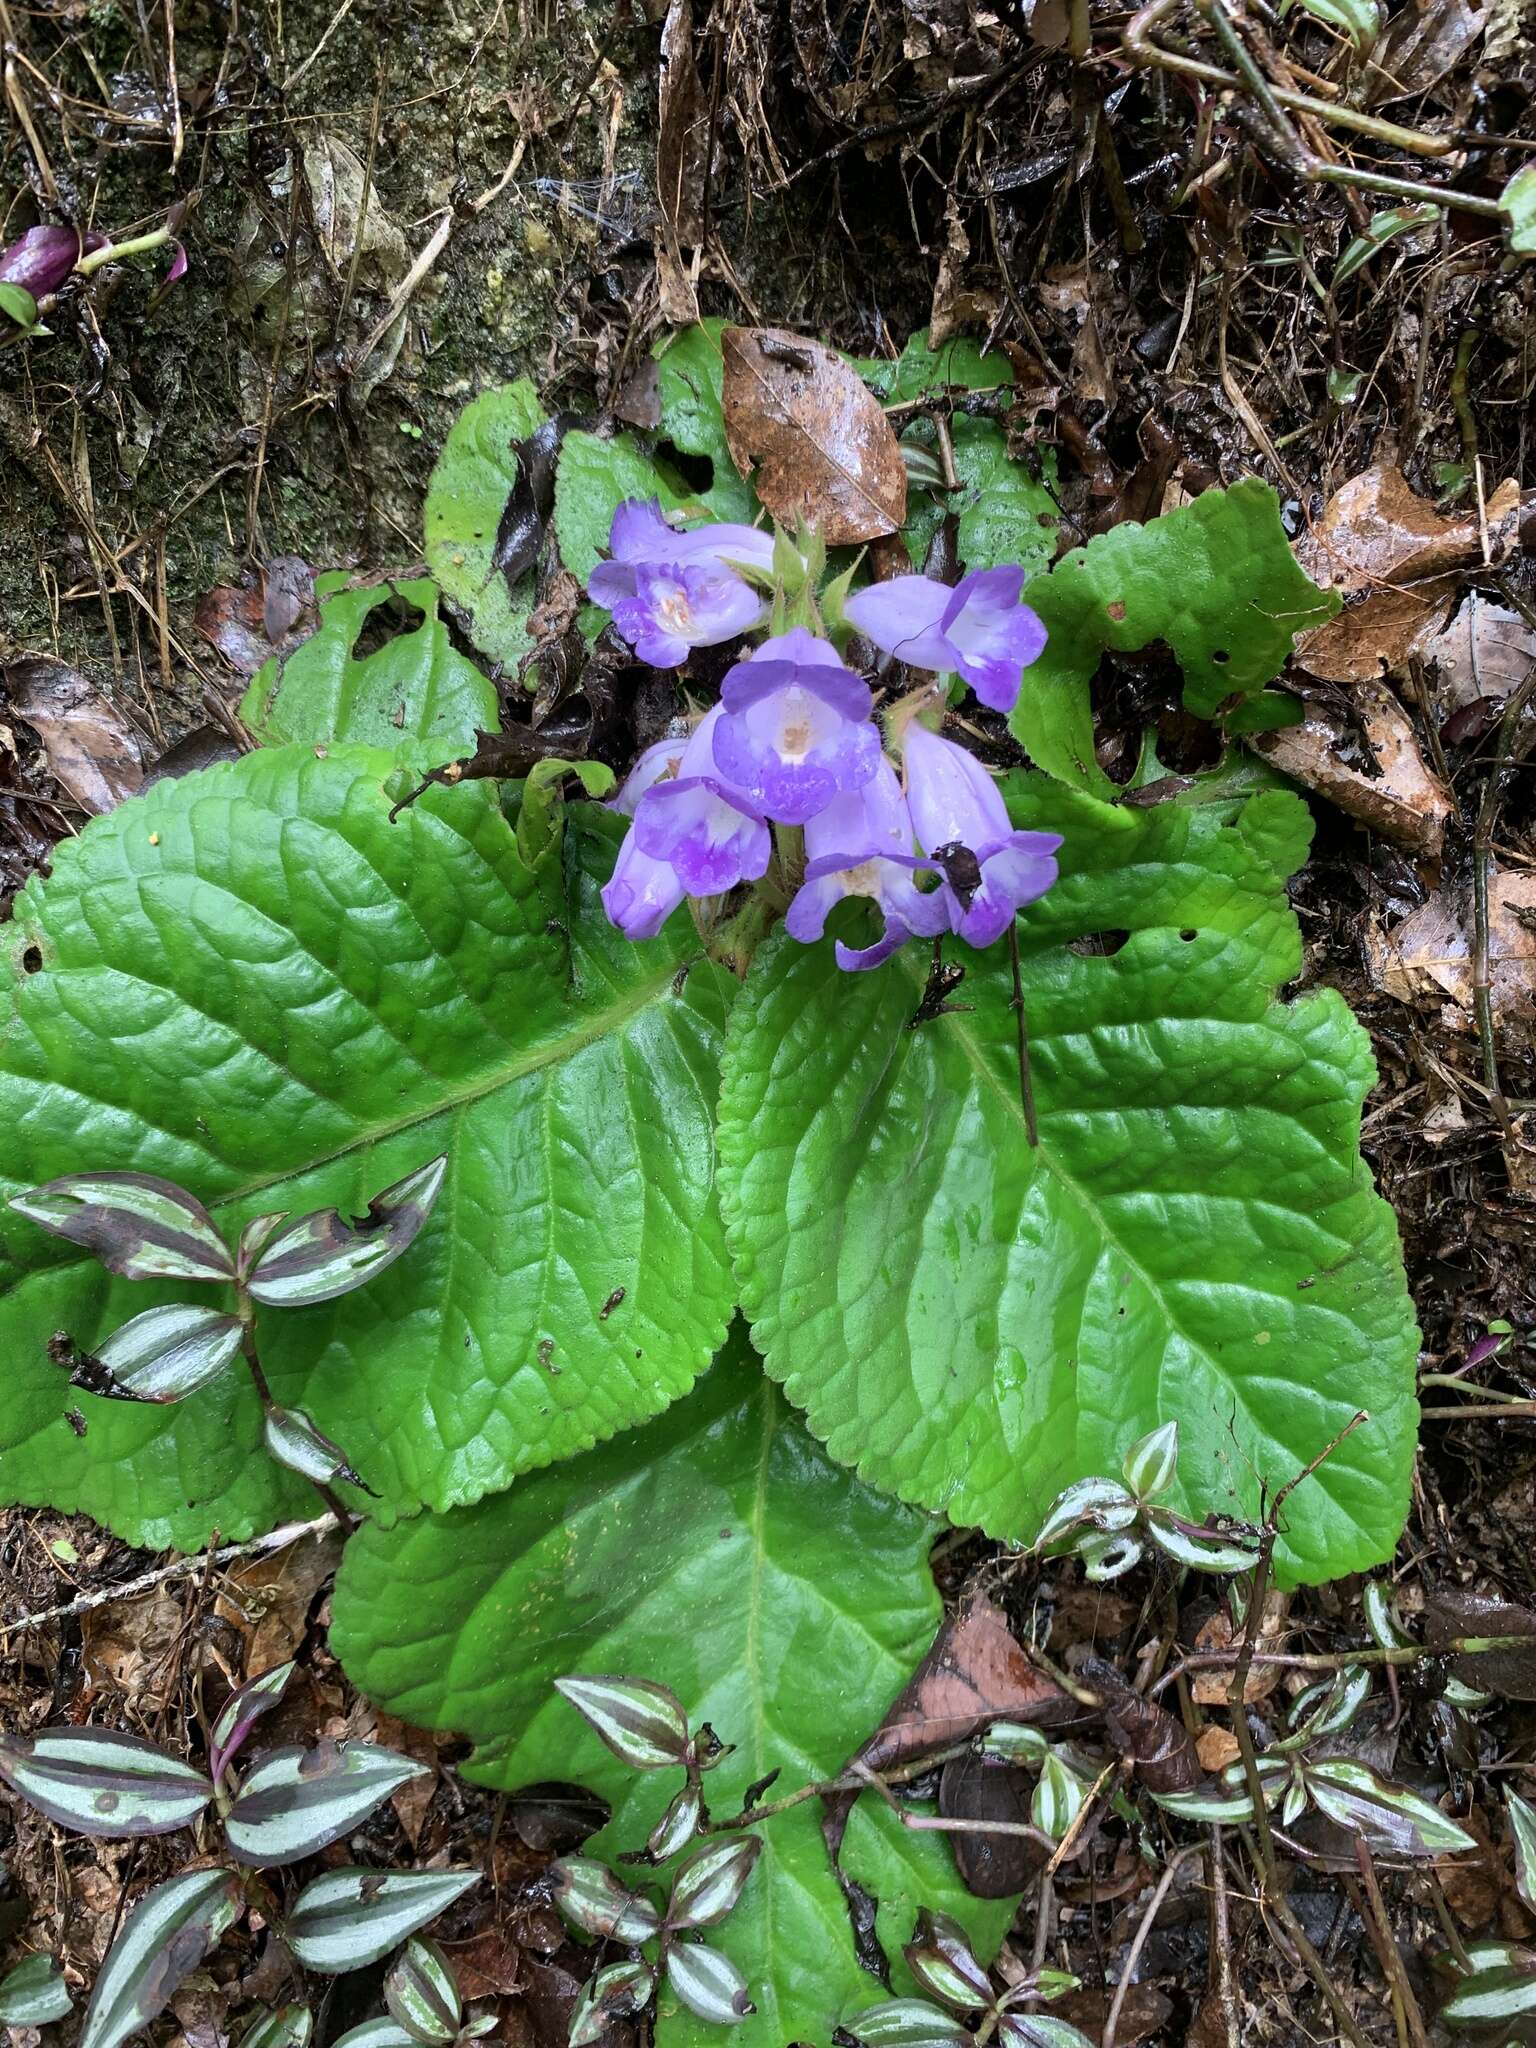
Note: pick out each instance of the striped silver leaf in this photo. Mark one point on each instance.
(708, 1983)
(711, 1881)
(351, 1917)
(135, 1224)
(589, 1895)
(242, 1710)
(642, 1723)
(295, 1442)
(326, 1254)
(161, 1943)
(380, 2033)
(285, 2026)
(907, 2023)
(162, 1355)
(297, 1801)
(616, 1993)
(34, 1994)
(99, 1783)
(422, 1993)
(677, 1826)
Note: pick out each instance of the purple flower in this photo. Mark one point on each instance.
(642, 893)
(990, 871)
(41, 260)
(671, 588)
(796, 731)
(861, 845)
(680, 605)
(659, 760)
(978, 630)
(713, 835)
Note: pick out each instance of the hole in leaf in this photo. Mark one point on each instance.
(1097, 945)
(386, 622)
(696, 470)
(1188, 933)
(1220, 654)
(31, 960)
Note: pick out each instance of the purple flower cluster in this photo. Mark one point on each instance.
(793, 741)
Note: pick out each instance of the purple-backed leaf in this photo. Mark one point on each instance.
(1393, 1820)
(285, 2026)
(1203, 1550)
(616, 1993)
(382, 2032)
(134, 1223)
(907, 2023)
(1087, 1503)
(351, 1917)
(99, 1783)
(1326, 1709)
(242, 1710)
(34, 1994)
(326, 1254)
(297, 1801)
(708, 1983)
(161, 1943)
(641, 1722)
(40, 260)
(295, 1442)
(940, 1957)
(589, 1895)
(164, 1354)
(1039, 2030)
(711, 1881)
(677, 1826)
(254, 1240)
(422, 1993)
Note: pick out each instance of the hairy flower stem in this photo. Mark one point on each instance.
(243, 1308)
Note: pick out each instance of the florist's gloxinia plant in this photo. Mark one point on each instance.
(793, 742)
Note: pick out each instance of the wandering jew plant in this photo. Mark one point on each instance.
(793, 742)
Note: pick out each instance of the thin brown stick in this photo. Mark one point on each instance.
(1139, 1940)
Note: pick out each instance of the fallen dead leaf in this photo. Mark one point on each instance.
(1473, 1885)
(1378, 542)
(273, 615)
(990, 1866)
(268, 1598)
(1216, 1748)
(410, 1803)
(1157, 1743)
(127, 1645)
(1403, 799)
(1485, 652)
(1421, 44)
(682, 164)
(1143, 2012)
(1451, 1614)
(1429, 955)
(92, 751)
(1210, 1688)
(824, 452)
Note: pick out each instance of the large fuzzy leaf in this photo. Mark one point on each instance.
(974, 1324)
(721, 1552)
(690, 370)
(414, 690)
(1215, 580)
(254, 984)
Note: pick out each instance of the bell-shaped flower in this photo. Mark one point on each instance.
(672, 588)
(990, 871)
(642, 893)
(979, 630)
(681, 605)
(712, 834)
(861, 845)
(796, 731)
(662, 758)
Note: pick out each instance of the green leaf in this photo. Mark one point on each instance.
(474, 477)
(1215, 579)
(250, 980)
(1005, 515)
(593, 479)
(414, 688)
(1522, 1829)
(920, 371)
(974, 1324)
(1360, 20)
(721, 1553)
(34, 1993)
(689, 371)
(1517, 203)
(18, 305)
(1380, 229)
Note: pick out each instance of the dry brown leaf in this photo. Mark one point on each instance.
(273, 615)
(1210, 1688)
(410, 1803)
(682, 139)
(93, 752)
(1379, 542)
(1404, 800)
(1429, 955)
(1485, 652)
(1422, 42)
(824, 451)
(1216, 1748)
(128, 1643)
(268, 1598)
(990, 1866)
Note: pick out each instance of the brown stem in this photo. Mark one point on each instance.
(1410, 2021)
(345, 1519)
(1139, 1941)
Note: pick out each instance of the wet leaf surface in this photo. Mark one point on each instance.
(93, 752)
